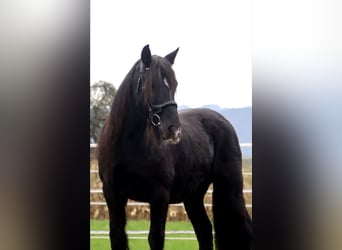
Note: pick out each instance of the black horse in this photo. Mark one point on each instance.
(151, 153)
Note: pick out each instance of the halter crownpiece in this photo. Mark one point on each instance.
(139, 81)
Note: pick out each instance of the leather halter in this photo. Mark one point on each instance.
(153, 109)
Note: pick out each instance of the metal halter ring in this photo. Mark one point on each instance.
(155, 120)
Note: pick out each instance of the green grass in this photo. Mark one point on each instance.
(141, 225)
(142, 244)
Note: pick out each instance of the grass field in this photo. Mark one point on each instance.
(139, 242)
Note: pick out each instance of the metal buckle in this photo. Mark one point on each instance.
(155, 120)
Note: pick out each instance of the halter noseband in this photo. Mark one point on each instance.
(153, 109)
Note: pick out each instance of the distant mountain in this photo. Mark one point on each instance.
(241, 119)
(183, 107)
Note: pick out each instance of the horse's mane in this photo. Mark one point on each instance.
(113, 125)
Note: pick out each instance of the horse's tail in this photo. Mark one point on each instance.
(232, 224)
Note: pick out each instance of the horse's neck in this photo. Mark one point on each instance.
(134, 128)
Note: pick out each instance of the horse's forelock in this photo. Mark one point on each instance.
(159, 65)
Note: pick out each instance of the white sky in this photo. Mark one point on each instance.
(213, 65)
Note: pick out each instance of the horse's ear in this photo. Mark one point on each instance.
(171, 57)
(146, 56)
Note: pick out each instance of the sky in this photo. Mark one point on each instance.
(213, 65)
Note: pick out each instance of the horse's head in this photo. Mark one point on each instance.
(154, 90)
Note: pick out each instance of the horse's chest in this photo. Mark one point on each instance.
(140, 181)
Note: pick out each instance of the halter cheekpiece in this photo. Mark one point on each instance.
(153, 109)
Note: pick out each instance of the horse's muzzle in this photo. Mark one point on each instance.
(175, 136)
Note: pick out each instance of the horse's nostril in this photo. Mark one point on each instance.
(172, 128)
(175, 131)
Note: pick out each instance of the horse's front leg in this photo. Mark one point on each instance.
(116, 205)
(158, 206)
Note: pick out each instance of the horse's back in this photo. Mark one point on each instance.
(200, 115)
(212, 122)
(218, 132)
